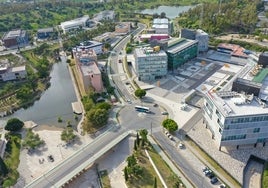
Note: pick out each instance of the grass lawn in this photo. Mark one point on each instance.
(12, 160)
(146, 180)
(214, 164)
(105, 179)
(265, 176)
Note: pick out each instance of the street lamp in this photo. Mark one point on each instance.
(59, 145)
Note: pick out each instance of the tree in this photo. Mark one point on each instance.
(131, 161)
(162, 15)
(125, 173)
(140, 93)
(155, 182)
(32, 140)
(135, 145)
(138, 139)
(170, 125)
(14, 124)
(68, 135)
(3, 168)
(98, 117)
(144, 133)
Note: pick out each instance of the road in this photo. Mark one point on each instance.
(113, 63)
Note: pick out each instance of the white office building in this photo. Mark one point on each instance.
(74, 24)
(150, 63)
(161, 26)
(235, 119)
(90, 45)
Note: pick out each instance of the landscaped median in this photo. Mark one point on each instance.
(265, 176)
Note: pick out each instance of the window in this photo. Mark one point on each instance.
(256, 130)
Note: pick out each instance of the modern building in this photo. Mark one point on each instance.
(15, 38)
(150, 63)
(203, 39)
(179, 51)
(235, 119)
(89, 71)
(263, 59)
(122, 28)
(199, 35)
(91, 45)
(45, 33)
(161, 26)
(8, 73)
(74, 24)
(104, 15)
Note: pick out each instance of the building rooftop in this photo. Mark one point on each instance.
(237, 104)
(18, 69)
(160, 26)
(74, 22)
(179, 44)
(145, 52)
(236, 50)
(160, 21)
(90, 69)
(14, 34)
(45, 30)
(89, 44)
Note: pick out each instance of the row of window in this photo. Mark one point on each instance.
(249, 119)
(233, 137)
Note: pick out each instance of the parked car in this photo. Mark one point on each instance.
(222, 186)
(155, 105)
(170, 137)
(181, 145)
(164, 113)
(214, 180)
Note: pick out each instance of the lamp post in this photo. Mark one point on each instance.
(59, 145)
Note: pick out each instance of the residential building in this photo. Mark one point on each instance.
(89, 72)
(45, 33)
(91, 45)
(188, 33)
(15, 38)
(122, 28)
(74, 24)
(161, 26)
(8, 73)
(180, 50)
(150, 63)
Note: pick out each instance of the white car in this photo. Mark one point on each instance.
(181, 145)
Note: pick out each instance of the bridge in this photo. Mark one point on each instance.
(81, 160)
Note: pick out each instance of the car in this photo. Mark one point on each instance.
(181, 145)
(205, 169)
(222, 186)
(170, 137)
(129, 101)
(166, 132)
(164, 113)
(214, 180)
(155, 105)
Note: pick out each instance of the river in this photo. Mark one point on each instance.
(54, 102)
(171, 11)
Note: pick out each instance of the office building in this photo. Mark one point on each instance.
(161, 26)
(15, 38)
(150, 63)
(180, 51)
(74, 24)
(8, 73)
(199, 35)
(45, 33)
